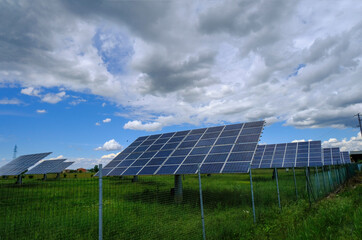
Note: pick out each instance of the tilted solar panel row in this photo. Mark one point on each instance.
(221, 149)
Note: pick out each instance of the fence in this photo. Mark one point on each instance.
(146, 207)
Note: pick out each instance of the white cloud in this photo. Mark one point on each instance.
(53, 97)
(97, 124)
(352, 144)
(41, 111)
(104, 104)
(31, 91)
(138, 125)
(13, 101)
(59, 157)
(107, 120)
(110, 145)
(77, 101)
(241, 60)
(109, 156)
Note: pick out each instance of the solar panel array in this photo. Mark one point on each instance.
(48, 166)
(331, 156)
(284, 155)
(61, 167)
(221, 149)
(21, 164)
(345, 157)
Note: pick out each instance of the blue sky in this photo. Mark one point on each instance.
(84, 80)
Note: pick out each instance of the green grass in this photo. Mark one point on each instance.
(68, 208)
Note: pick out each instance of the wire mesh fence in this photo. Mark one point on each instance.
(149, 207)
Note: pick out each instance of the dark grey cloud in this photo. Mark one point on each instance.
(161, 74)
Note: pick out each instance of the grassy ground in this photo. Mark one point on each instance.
(68, 208)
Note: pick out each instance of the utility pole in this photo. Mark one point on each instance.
(15, 151)
(359, 122)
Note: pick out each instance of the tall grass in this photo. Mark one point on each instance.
(68, 209)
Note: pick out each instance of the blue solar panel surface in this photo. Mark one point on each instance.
(331, 156)
(345, 157)
(61, 167)
(21, 164)
(221, 149)
(45, 167)
(284, 155)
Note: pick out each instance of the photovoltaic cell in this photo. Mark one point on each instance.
(285, 155)
(331, 156)
(45, 167)
(21, 164)
(221, 149)
(345, 157)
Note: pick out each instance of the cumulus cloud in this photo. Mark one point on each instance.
(107, 120)
(41, 111)
(13, 101)
(352, 144)
(31, 91)
(53, 97)
(109, 156)
(77, 101)
(197, 62)
(110, 145)
(97, 124)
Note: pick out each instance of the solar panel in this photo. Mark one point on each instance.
(21, 164)
(284, 155)
(331, 156)
(345, 157)
(221, 149)
(61, 167)
(45, 167)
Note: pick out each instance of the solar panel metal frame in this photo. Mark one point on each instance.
(268, 152)
(45, 167)
(61, 167)
(346, 159)
(333, 154)
(236, 138)
(21, 164)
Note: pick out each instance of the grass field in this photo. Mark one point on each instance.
(68, 208)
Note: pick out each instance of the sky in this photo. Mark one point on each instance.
(83, 79)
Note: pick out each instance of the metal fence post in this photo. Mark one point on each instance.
(276, 179)
(317, 182)
(324, 181)
(100, 221)
(201, 205)
(295, 184)
(252, 195)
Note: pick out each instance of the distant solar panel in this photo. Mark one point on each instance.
(345, 157)
(46, 167)
(284, 155)
(331, 156)
(221, 149)
(21, 164)
(61, 167)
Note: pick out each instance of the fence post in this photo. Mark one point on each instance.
(331, 184)
(252, 195)
(276, 179)
(308, 187)
(295, 184)
(324, 181)
(201, 205)
(100, 221)
(317, 182)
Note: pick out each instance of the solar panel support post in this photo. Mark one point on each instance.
(19, 179)
(252, 195)
(58, 176)
(100, 220)
(135, 179)
(276, 179)
(201, 205)
(45, 177)
(178, 189)
(295, 184)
